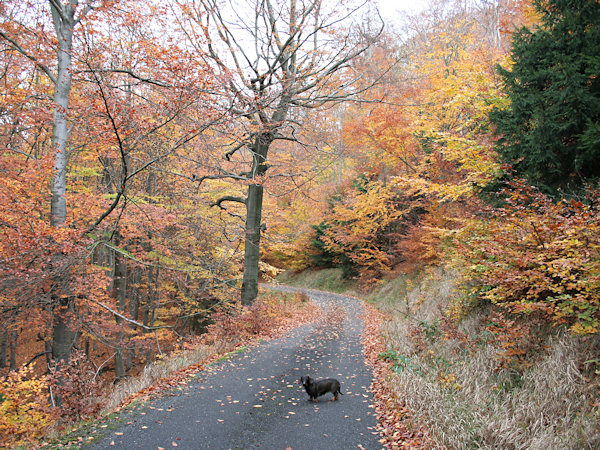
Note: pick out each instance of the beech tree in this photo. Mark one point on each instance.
(280, 57)
(17, 36)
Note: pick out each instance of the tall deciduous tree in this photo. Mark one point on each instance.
(92, 107)
(550, 132)
(281, 56)
(65, 17)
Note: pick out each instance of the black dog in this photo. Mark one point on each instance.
(316, 388)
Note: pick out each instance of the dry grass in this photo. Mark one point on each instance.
(463, 401)
(152, 373)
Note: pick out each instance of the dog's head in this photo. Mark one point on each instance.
(306, 380)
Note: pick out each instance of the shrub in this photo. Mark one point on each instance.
(74, 383)
(537, 258)
(233, 322)
(24, 410)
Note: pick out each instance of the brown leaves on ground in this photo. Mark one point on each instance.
(269, 316)
(395, 422)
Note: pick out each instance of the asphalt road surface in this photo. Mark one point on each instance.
(255, 400)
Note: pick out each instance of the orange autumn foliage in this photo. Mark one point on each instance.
(265, 317)
(537, 258)
(139, 247)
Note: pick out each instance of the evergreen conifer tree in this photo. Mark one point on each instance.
(550, 132)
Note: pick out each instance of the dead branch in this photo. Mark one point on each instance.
(228, 198)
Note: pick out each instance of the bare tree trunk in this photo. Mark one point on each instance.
(64, 21)
(119, 293)
(151, 304)
(3, 348)
(252, 246)
(13, 350)
(134, 278)
(63, 336)
(254, 203)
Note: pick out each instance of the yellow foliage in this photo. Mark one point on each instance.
(24, 413)
(359, 223)
(452, 122)
(287, 240)
(268, 271)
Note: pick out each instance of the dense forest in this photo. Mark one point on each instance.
(160, 159)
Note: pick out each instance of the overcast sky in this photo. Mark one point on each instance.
(397, 6)
(393, 10)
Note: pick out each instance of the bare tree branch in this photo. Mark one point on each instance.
(15, 46)
(134, 322)
(223, 176)
(130, 73)
(231, 152)
(228, 198)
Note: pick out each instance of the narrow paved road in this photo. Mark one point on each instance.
(254, 399)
